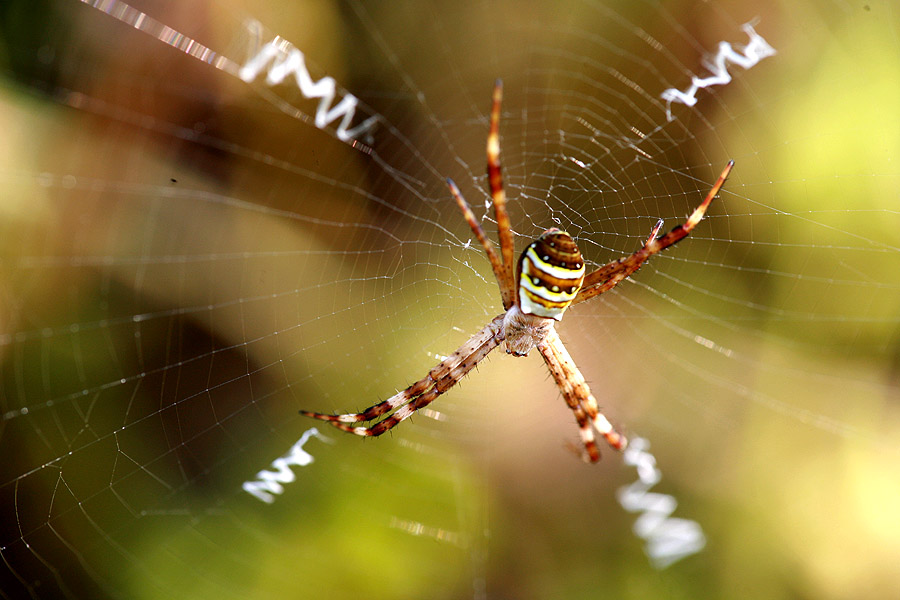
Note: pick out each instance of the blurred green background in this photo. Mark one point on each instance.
(184, 264)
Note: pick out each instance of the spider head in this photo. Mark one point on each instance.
(550, 273)
(523, 332)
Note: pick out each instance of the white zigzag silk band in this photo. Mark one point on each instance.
(668, 539)
(755, 50)
(281, 60)
(278, 58)
(268, 484)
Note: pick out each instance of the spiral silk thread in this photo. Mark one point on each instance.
(755, 50)
(269, 483)
(668, 540)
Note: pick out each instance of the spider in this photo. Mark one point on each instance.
(549, 277)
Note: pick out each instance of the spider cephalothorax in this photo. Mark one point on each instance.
(548, 277)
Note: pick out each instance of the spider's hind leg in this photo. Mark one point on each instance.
(507, 292)
(611, 274)
(498, 194)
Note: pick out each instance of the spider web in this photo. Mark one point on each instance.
(192, 252)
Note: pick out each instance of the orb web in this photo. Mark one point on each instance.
(217, 215)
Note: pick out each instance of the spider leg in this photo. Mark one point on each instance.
(507, 294)
(502, 265)
(376, 410)
(578, 396)
(495, 179)
(608, 276)
(439, 379)
(440, 386)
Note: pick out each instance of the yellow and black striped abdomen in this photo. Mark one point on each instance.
(551, 271)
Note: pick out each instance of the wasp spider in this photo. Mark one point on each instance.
(536, 290)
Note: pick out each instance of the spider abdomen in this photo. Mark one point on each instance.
(551, 271)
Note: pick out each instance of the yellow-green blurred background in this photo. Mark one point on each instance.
(186, 261)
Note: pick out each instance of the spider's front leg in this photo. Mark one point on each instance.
(423, 392)
(578, 396)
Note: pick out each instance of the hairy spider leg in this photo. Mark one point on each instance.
(578, 397)
(507, 294)
(439, 379)
(495, 180)
(610, 275)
